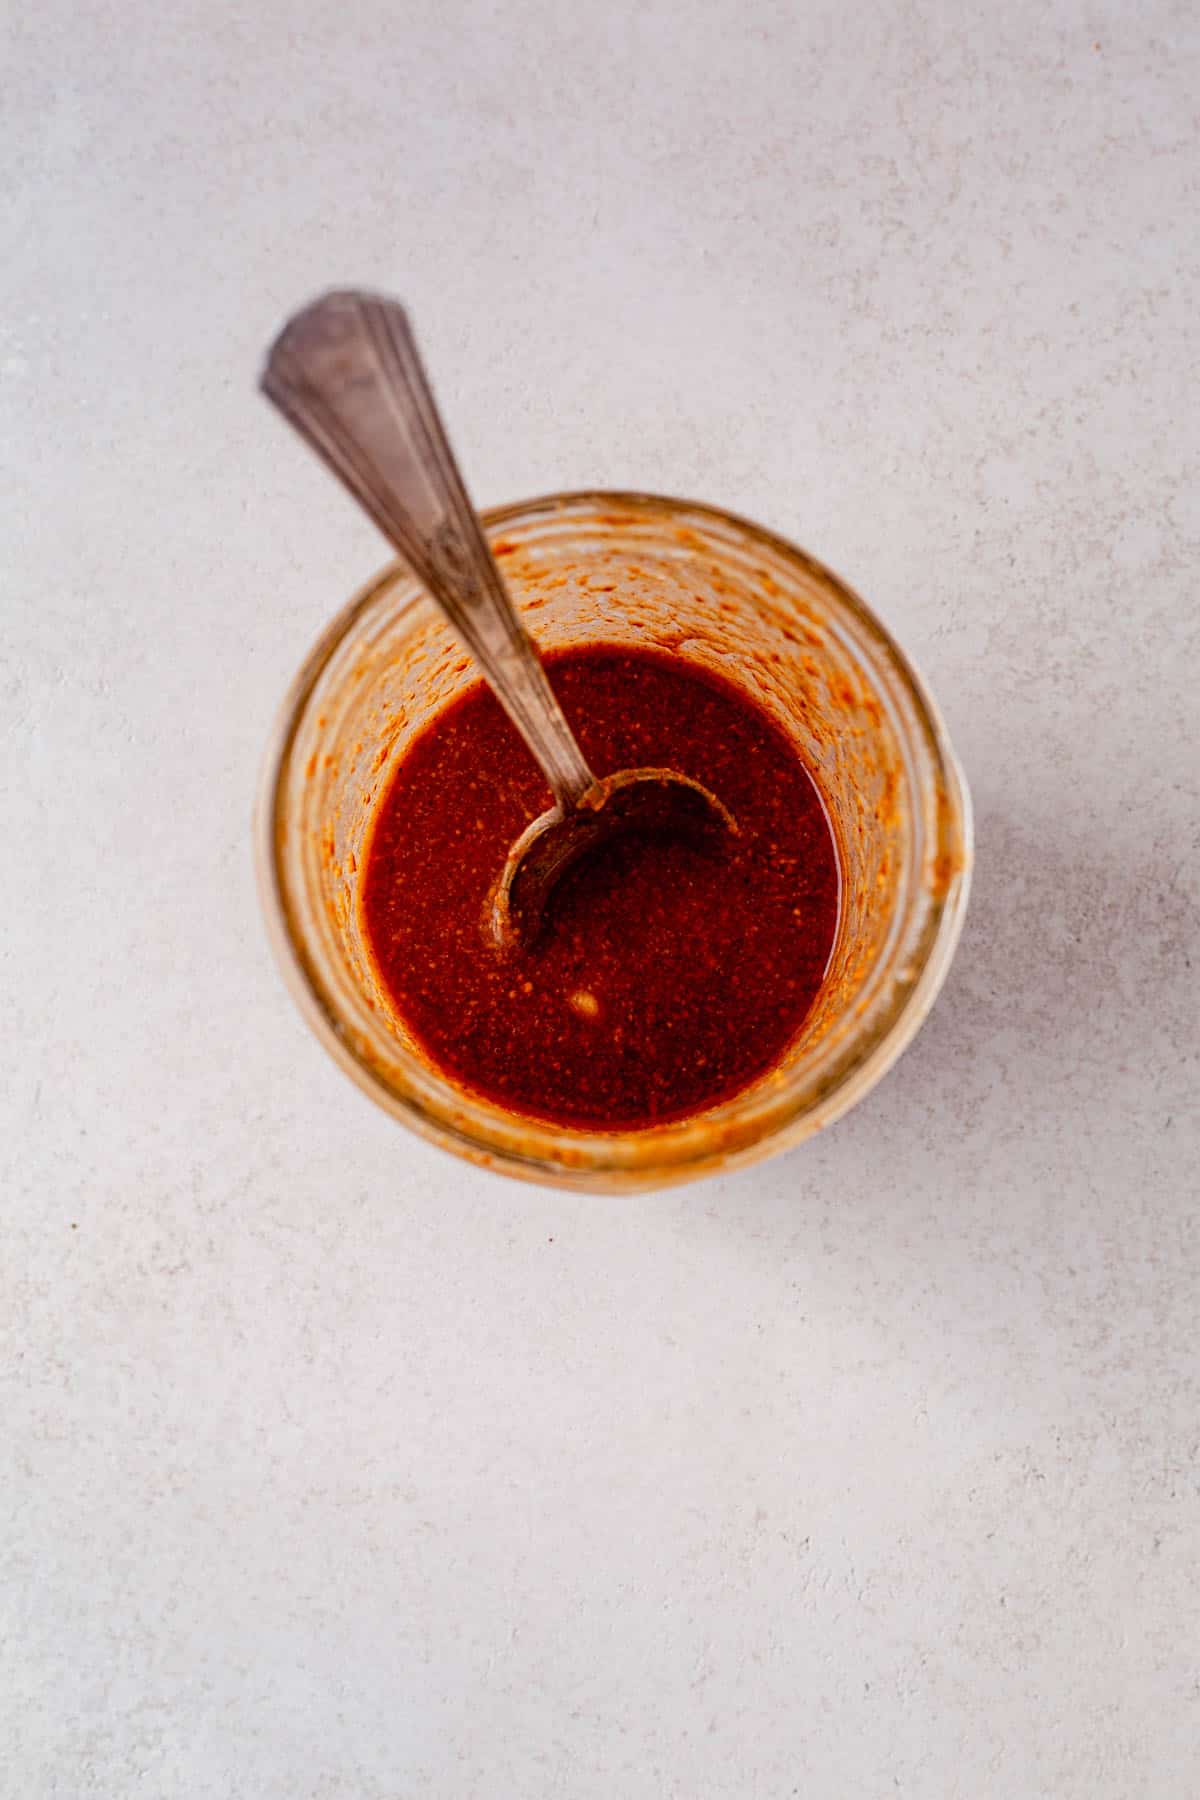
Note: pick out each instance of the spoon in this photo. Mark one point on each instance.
(346, 374)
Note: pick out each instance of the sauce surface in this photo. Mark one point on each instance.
(666, 977)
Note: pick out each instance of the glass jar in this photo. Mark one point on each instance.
(714, 590)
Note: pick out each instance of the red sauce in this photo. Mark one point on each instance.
(667, 977)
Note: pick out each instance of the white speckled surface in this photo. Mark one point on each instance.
(331, 1469)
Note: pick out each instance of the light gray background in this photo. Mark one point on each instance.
(333, 1469)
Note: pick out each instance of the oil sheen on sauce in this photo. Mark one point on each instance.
(667, 977)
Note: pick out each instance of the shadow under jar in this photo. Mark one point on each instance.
(716, 592)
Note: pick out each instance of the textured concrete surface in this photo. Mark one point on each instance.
(331, 1469)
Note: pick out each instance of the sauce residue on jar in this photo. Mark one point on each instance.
(667, 977)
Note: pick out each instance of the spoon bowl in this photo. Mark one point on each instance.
(642, 802)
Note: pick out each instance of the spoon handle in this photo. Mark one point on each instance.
(345, 372)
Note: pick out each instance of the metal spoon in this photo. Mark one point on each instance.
(347, 375)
